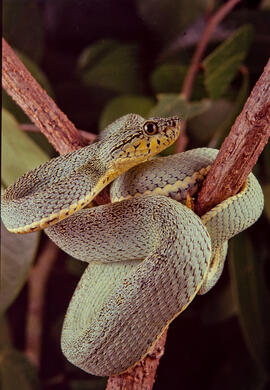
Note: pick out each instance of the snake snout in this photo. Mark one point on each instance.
(173, 123)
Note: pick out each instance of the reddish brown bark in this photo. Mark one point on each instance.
(141, 376)
(36, 295)
(38, 106)
(241, 149)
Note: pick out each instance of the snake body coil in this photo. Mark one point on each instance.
(148, 254)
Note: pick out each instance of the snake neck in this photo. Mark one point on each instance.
(126, 155)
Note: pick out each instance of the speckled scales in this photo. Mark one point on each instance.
(60, 187)
(145, 295)
(148, 254)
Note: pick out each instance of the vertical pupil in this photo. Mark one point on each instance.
(150, 127)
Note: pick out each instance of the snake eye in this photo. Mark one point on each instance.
(150, 128)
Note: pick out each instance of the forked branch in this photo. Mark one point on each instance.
(237, 156)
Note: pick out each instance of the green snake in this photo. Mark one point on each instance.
(148, 253)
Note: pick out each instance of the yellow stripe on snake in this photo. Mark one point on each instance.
(148, 254)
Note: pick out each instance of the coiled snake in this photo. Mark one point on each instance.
(148, 253)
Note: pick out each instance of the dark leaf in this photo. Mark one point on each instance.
(125, 104)
(168, 78)
(17, 254)
(205, 125)
(175, 104)
(19, 153)
(252, 298)
(16, 372)
(112, 65)
(222, 65)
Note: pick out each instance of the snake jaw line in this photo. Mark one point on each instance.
(139, 148)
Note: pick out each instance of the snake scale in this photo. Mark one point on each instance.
(148, 253)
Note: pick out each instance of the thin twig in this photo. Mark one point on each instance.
(210, 27)
(186, 90)
(36, 293)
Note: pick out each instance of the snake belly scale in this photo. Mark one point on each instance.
(148, 253)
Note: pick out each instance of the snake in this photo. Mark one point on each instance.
(148, 254)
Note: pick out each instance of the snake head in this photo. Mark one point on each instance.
(137, 140)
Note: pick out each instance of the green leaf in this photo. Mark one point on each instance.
(225, 124)
(19, 153)
(112, 65)
(174, 104)
(9, 104)
(169, 78)
(196, 108)
(252, 298)
(222, 65)
(16, 372)
(42, 142)
(123, 105)
(19, 31)
(17, 254)
(205, 126)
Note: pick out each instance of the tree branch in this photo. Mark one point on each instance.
(38, 106)
(241, 149)
(34, 129)
(36, 292)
